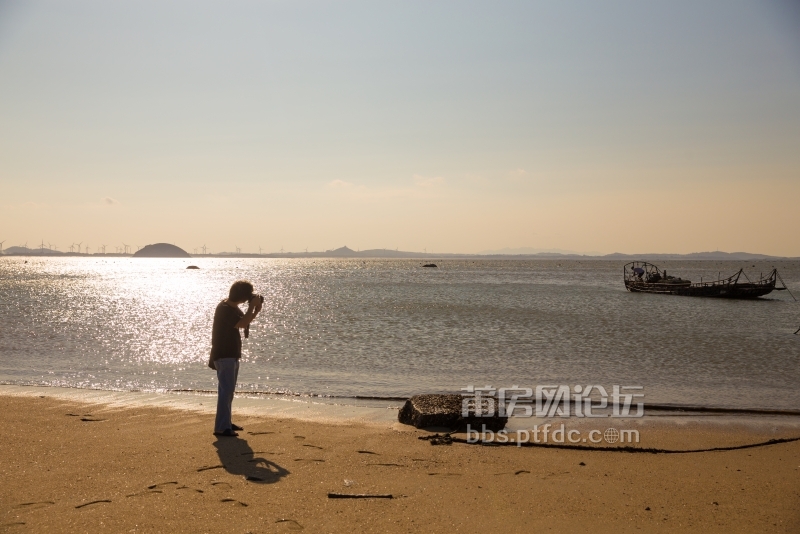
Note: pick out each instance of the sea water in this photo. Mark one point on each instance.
(391, 328)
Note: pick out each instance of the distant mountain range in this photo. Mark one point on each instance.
(345, 252)
(24, 251)
(531, 250)
(718, 255)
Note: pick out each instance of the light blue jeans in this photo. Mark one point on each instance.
(227, 374)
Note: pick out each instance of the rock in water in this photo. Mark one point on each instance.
(161, 250)
(423, 411)
(193, 267)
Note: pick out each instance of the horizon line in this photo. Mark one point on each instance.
(345, 252)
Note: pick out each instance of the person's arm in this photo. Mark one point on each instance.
(253, 307)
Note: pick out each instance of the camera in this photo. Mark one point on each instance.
(260, 297)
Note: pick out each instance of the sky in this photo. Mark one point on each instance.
(446, 126)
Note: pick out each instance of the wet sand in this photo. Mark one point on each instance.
(77, 467)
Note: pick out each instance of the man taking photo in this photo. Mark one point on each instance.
(226, 348)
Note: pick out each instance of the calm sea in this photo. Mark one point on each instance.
(391, 328)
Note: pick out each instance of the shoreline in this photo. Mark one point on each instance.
(355, 408)
(92, 466)
(300, 408)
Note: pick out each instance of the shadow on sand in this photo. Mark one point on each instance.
(238, 458)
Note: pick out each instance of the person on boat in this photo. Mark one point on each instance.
(638, 272)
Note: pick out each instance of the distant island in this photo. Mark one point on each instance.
(166, 250)
(161, 250)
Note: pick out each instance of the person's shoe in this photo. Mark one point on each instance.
(237, 428)
(227, 433)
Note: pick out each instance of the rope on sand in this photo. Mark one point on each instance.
(622, 449)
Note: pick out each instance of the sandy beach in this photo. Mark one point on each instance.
(79, 467)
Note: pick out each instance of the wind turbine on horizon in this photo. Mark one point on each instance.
(126, 247)
(204, 249)
(1, 246)
(79, 247)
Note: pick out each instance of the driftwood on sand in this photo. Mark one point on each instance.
(360, 496)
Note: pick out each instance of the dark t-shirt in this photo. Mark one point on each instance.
(226, 341)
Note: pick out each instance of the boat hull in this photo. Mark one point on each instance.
(731, 291)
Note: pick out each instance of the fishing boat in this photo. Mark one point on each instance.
(643, 277)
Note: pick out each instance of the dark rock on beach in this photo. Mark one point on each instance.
(430, 265)
(193, 267)
(425, 411)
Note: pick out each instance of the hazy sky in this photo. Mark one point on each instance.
(452, 126)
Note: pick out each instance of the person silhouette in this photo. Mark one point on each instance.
(226, 348)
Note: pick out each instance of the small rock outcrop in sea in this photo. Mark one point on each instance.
(429, 265)
(425, 411)
(193, 267)
(161, 250)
